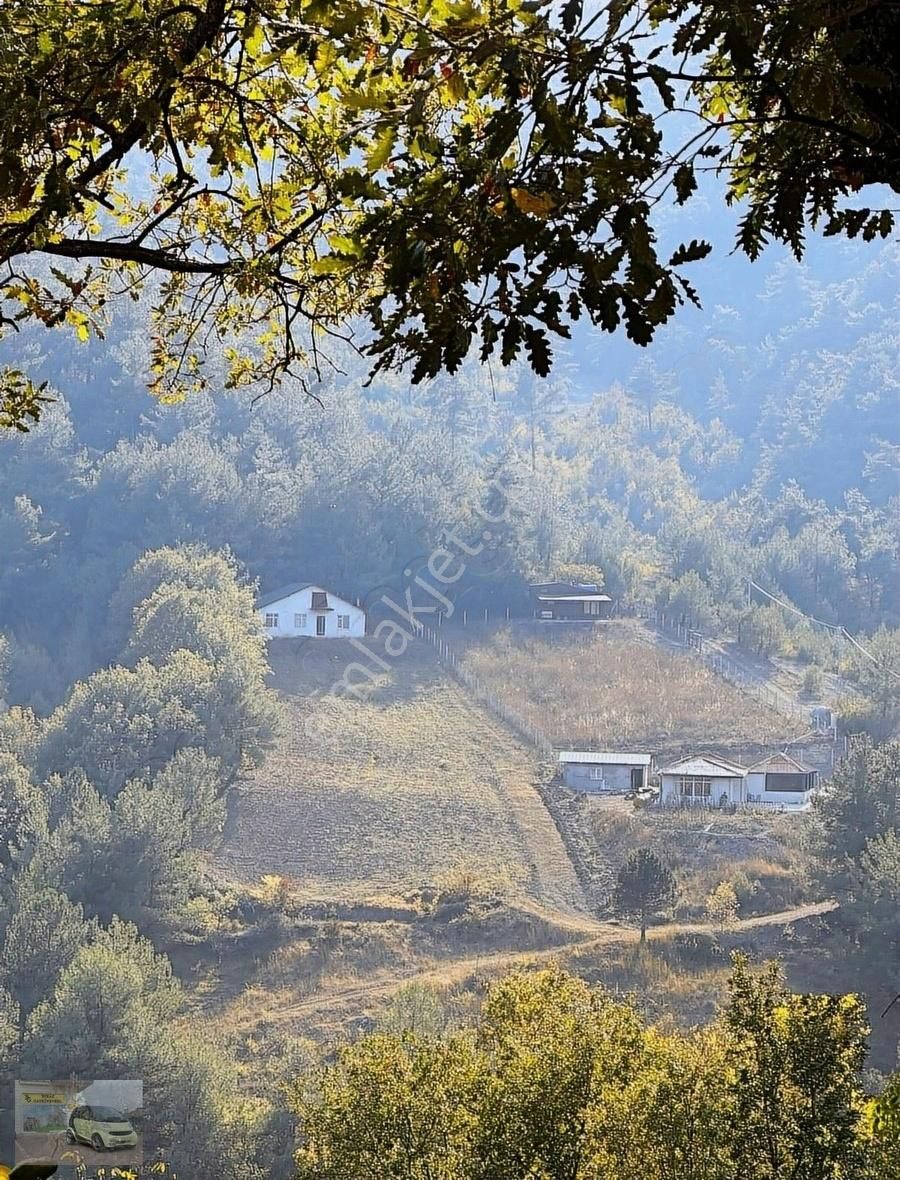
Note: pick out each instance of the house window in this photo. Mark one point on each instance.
(592, 608)
(300, 621)
(800, 783)
(692, 786)
(271, 620)
(319, 600)
(597, 773)
(343, 622)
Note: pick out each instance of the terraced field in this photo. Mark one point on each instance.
(401, 790)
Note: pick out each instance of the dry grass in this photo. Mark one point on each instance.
(615, 687)
(393, 792)
(764, 857)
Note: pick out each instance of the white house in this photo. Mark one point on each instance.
(703, 780)
(305, 609)
(603, 770)
(782, 782)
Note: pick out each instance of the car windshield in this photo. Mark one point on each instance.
(106, 1114)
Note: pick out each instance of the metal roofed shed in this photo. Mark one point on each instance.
(569, 601)
(604, 771)
(574, 598)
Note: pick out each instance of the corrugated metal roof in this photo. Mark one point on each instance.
(281, 592)
(706, 766)
(605, 757)
(574, 598)
(781, 763)
(591, 587)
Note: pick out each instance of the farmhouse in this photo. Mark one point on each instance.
(703, 780)
(778, 782)
(599, 770)
(569, 601)
(305, 609)
(781, 781)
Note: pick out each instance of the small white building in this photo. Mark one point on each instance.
(604, 770)
(306, 609)
(703, 780)
(781, 782)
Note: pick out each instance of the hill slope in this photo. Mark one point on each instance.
(394, 792)
(619, 687)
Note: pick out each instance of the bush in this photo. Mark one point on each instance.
(722, 905)
(813, 681)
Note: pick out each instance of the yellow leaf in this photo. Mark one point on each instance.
(540, 204)
(381, 149)
(329, 265)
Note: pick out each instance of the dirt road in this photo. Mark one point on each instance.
(457, 971)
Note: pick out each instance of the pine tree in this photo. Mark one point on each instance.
(644, 887)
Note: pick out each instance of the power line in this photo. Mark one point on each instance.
(835, 628)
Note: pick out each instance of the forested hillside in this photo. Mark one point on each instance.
(757, 440)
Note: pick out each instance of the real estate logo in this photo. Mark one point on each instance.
(79, 1123)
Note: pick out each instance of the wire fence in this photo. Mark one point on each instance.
(500, 709)
(696, 643)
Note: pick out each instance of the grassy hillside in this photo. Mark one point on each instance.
(616, 687)
(405, 789)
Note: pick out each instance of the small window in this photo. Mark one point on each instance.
(300, 621)
(597, 773)
(343, 622)
(271, 620)
(319, 600)
(592, 608)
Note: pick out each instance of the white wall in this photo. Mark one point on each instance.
(669, 790)
(300, 603)
(756, 786)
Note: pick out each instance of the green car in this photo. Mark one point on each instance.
(102, 1127)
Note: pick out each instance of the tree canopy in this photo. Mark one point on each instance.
(449, 173)
(562, 1081)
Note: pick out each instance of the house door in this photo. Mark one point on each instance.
(637, 778)
(320, 624)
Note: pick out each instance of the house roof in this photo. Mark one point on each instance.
(706, 766)
(605, 758)
(574, 598)
(282, 592)
(569, 585)
(781, 763)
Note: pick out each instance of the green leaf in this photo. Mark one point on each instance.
(382, 148)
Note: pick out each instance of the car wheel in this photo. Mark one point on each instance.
(71, 1137)
(97, 1143)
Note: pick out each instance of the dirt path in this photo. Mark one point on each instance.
(456, 971)
(552, 877)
